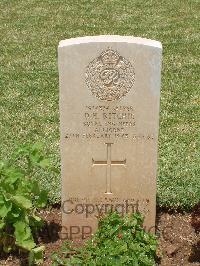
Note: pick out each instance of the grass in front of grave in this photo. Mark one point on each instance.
(30, 32)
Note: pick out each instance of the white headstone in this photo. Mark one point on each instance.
(109, 115)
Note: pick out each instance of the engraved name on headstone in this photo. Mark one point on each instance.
(109, 116)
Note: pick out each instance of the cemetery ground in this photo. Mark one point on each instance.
(178, 242)
(30, 32)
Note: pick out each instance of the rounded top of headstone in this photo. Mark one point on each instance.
(110, 38)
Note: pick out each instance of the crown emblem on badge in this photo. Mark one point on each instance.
(110, 57)
(110, 76)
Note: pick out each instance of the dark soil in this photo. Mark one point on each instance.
(179, 241)
(179, 238)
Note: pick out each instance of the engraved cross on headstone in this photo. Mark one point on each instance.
(109, 163)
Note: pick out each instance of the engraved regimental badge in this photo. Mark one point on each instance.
(110, 76)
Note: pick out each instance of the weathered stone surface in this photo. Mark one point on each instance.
(109, 113)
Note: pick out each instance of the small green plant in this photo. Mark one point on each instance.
(118, 241)
(20, 197)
